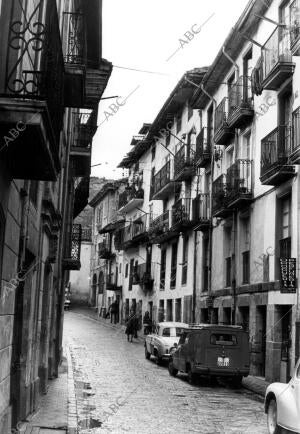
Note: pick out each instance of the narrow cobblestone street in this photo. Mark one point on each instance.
(118, 390)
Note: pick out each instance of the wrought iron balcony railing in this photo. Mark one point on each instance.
(181, 212)
(295, 26)
(104, 250)
(203, 146)
(240, 107)
(219, 197)
(295, 142)
(71, 260)
(131, 194)
(275, 149)
(160, 224)
(183, 163)
(142, 276)
(139, 226)
(75, 40)
(277, 59)
(162, 178)
(85, 126)
(223, 132)
(86, 234)
(239, 181)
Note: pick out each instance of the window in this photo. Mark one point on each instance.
(163, 269)
(223, 339)
(131, 272)
(205, 264)
(166, 332)
(173, 265)
(247, 75)
(228, 271)
(153, 150)
(33, 191)
(178, 122)
(126, 270)
(185, 251)
(246, 267)
(168, 138)
(227, 255)
(285, 228)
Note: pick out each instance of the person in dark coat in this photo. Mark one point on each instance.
(147, 323)
(114, 309)
(130, 326)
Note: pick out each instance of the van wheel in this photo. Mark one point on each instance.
(147, 354)
(273, 428)
(191, 376)
(172, 371)
(158, 359)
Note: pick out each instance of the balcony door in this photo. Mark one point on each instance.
(285, 120)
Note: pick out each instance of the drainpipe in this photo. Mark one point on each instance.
(232, 61)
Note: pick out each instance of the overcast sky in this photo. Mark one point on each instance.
(144, 35)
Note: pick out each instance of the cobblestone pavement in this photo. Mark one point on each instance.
(119, 391)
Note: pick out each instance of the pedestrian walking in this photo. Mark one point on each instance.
(114, 309)
(147, 323)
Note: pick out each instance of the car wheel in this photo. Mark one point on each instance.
(273, 428)
(159, 360)
(172, 371)
(191, 376)
(147, 354)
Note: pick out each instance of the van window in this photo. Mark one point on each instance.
(179, 331)
(223, 339)
(166, 332)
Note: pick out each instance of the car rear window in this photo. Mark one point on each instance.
(179, 331)
(166, 332)
(223, 339)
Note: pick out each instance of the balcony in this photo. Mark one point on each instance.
(295, 142)
(81, 198)
(95, 83)
(104, 251)
(223, 133)
(71, 260)
(219, 198)
(275, 148)
(239, 184)
(142, 276)
(181, 215)
(163, 183)
(203, 147)
(112, 283)
(184, 167)
(277, 65)
(240, 106)
(295, 27)
(160, 228)
(74, 34)
(85, 126)
(139, 229)
(131, 199)
(31, 91)
(201, 212)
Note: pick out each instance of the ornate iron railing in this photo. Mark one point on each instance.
(275, 148)
(219, 193)
(129, 194)
(239, 94)
(295, 143)
(34, 58)
(75, 39)
(76, 242)
(86, 234)
(183, 157)
(221, 113)
(160, 223)
(162, 178)
(139, 226)
(181, 211)
(275, 50)
(238, 179)
(203, 143)
(201, 207)
(295, 22)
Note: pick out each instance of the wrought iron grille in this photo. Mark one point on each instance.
(86, 234)
(75, 47)
(275, 148)
(129, 194)
(162, 178)
(34, 58)
(203, 143)
(238, 178)
(276, 50)
(85, 126)
(200, 207)
(221, 114)
(76, 242)
(139, 226)
(160, 223)
(181, 211)
(295, 143)
(239, 94)
(182, 159)
(295, 22)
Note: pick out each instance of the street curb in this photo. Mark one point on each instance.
(72, 403)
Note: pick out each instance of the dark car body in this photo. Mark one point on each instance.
(213, 351)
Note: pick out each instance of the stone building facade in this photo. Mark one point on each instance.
(49, 96)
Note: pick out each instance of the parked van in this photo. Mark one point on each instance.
(212, 351)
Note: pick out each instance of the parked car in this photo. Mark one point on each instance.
(282, 404)
(165, 335)
(212, 351)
